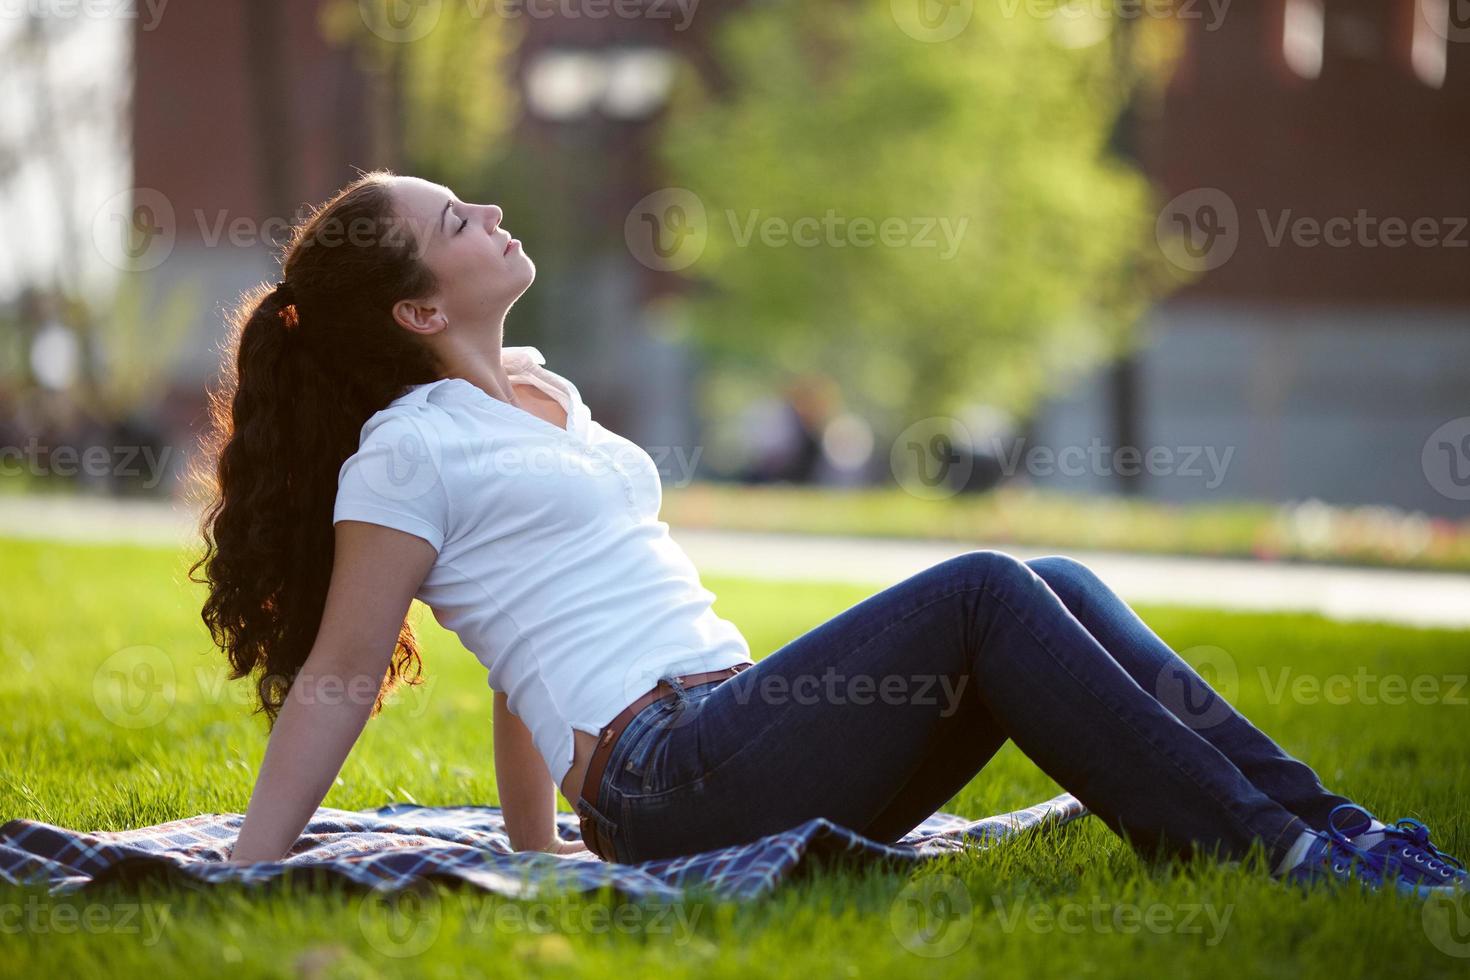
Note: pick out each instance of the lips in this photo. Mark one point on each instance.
(509, 245)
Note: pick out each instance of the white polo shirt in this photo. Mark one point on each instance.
(553, 568)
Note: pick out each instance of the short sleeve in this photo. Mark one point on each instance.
(396, 477)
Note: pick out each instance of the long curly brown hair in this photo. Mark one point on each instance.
(303, 367)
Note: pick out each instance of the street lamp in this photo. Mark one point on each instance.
(625, 83)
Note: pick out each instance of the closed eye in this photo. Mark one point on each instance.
(464, 221)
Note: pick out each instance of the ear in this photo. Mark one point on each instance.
(420, 317)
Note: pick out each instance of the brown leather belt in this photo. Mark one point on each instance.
(608, 737)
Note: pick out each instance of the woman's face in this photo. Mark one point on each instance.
(480, 272)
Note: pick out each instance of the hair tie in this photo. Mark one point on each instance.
(285, 293)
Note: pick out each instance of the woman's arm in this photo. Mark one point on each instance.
(376, 571)
(527, 792)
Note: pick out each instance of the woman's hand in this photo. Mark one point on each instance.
(560, 846)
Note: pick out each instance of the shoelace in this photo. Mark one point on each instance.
(1339, 845)
(1406, 829)
(1417, 835)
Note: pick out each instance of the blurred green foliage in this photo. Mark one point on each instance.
(446, 97)
(832, 113)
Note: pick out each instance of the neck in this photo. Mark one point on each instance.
(481, 365)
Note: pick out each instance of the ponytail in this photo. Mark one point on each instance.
(306, 363)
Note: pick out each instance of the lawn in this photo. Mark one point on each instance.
(1379, 710)
(1299, 531)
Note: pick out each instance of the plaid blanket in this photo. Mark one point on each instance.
(401, 845)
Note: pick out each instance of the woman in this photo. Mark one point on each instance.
(377, 442)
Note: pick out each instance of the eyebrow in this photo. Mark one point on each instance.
(447, 205)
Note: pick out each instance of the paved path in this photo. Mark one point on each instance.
(1416, 598)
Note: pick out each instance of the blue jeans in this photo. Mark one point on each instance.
(879, 716)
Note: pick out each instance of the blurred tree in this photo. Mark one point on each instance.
(67, 145)
(441, 76)
(1020, 248)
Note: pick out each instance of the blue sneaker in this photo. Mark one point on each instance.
(1401, 851)
(1328, 858)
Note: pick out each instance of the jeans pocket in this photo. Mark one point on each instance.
(634, 744)
(608, 829)
(666, 758)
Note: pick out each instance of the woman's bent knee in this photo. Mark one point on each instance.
(1062, 570)
(983, 565)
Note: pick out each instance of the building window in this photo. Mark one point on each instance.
(1427, 53)
(1301, 37)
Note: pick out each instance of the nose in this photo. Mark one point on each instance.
(494, 215)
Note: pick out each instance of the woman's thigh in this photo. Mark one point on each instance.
(834, 724)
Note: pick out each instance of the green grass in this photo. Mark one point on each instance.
(1071, 901)
(1309, 531)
